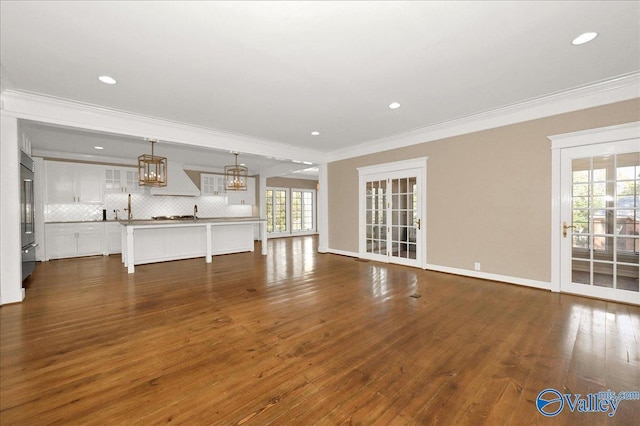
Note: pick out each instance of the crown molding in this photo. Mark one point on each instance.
(62, 112)
(617, 89)
(65, 113)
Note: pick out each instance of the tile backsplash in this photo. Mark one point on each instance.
(145, 206)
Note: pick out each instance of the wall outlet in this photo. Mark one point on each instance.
(476, 266)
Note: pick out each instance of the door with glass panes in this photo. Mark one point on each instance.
(391, 217)
(601, 220)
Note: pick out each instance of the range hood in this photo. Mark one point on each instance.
(178, 183)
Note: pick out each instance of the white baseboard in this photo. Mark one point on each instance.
(343, 252)
(493, 277)
(465, 272)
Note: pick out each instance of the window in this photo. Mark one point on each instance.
(276, 210)
(288, 217)
(302, 209)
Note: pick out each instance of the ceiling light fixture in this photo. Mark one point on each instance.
(394, 105)
(315, 133)
(235, 176)
(107, 80)
(98, 147)
(584, 38)
(152, 169)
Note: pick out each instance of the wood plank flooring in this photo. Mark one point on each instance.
(302, 338)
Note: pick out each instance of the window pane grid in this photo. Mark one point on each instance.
(605, 241)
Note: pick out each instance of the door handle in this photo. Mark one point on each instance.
(565, 227)
(418, 223)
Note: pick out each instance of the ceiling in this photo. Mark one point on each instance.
(277, 71)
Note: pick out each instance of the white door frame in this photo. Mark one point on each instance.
(396, 166)
(569, 140)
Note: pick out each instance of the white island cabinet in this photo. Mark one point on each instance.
(150, 241)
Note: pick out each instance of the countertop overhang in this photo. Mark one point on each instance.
(198, 221)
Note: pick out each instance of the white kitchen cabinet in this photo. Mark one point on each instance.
(211, 184)
(69, 183)
(112, 238)
(73, 239)
(247, 197)
(121, 179)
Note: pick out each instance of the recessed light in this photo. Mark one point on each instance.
(584, 38)
(98, 147)
(107, 80)
(315, 133)
(394, 105)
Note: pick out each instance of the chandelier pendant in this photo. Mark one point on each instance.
(152, 169)
(235, 176)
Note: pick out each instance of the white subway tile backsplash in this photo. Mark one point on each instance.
(144, 207)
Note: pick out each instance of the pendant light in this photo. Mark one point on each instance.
(235, 177)
(152, 169)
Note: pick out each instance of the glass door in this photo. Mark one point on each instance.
(277, 220)
(405, 222)
(393, 217)
(376, 219)
(601, 221)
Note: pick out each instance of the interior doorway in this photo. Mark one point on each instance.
(599, 217)
(392, 213)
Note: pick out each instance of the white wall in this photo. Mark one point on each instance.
(10, 264)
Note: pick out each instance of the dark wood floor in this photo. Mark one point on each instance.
(302, 338)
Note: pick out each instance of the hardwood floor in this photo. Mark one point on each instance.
(302, 338)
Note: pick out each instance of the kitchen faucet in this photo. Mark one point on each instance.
(195, 211)
(128, 209)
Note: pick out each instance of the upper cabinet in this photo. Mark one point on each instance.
(69, 183)
(211, 184)
(247, 197)
(122, 179)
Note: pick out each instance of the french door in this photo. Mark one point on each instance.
(391, 217)
(600, 213)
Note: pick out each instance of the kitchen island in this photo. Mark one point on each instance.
(150, 241)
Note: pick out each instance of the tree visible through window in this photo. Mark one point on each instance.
(276, 210)
(302, 211)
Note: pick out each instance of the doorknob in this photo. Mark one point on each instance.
(564, 229)
(418, 223)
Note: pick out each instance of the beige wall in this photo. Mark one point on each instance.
(488, 193)
(282, 182)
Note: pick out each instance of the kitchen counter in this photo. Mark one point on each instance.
(199, 220)
(149, 241)
(85, 221)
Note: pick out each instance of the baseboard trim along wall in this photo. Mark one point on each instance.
(493, 277)
(467, 273)
(342, 252)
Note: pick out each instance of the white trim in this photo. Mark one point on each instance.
(61, 112)
(322, 197)
(593, 136)
(556, 202)
(569, 140)
(343, 253)
(384, 171)
(464, 272)
(601, 93)
(11, 290)
(413, 163)
(492, 277)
